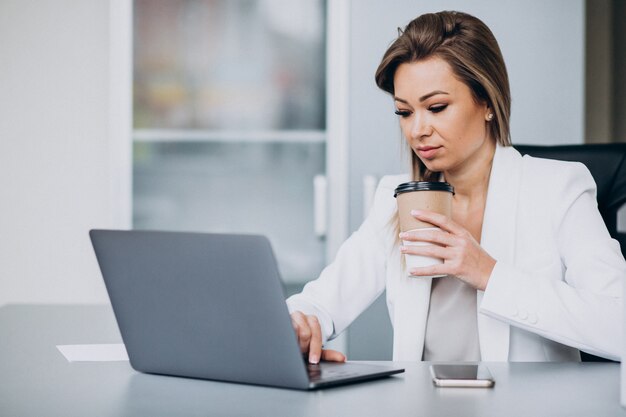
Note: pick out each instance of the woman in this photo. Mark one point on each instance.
(532, 273)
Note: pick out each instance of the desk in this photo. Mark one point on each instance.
(36, 380)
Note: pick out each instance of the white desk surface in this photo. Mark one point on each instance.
(36, 380)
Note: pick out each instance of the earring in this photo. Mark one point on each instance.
(489, 117)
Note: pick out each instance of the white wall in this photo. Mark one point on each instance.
(62, 171)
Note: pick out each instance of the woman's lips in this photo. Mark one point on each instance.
(428, 152)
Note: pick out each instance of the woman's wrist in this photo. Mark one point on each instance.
(487, 268)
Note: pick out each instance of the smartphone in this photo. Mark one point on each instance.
(461, 375)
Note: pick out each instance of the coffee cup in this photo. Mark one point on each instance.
(422, 195)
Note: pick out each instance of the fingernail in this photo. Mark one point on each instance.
(403, 248)
(314, 359)
(403, 235)
(415, 212)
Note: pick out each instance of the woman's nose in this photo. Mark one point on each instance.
(419, 127)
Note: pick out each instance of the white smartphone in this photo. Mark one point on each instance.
(461, 375)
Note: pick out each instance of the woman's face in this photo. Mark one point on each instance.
(439, 118)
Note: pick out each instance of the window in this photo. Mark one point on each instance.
(229, 121)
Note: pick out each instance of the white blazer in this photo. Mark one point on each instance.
(556, 286)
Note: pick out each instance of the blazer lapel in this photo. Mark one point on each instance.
(498, 239)
(410, 315)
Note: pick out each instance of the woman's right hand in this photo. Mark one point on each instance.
(309, 334)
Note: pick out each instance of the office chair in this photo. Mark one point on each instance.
(607, 164)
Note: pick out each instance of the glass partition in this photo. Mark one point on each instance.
(261, 188)
(229, 121)
(229, 64)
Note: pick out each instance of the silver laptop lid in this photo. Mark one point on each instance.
(200, 305)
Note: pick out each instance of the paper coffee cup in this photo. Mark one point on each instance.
(422, 195)
(416, 261)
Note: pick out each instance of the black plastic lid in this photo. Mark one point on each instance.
(407, 187)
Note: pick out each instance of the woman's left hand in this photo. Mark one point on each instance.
(463, 256)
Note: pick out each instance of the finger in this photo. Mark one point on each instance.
(437, 219)
(315, 344)
(438, 236)
(294, 320)
(333, 356)
(298, 320)
(433, 251)
(427, 271)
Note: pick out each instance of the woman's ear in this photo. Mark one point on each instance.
(488, 114)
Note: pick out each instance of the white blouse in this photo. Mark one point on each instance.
(451, 327)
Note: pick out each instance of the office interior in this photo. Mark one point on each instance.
(248, 117)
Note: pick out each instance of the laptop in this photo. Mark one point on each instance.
(209, 306)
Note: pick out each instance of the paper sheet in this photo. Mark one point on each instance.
(94, 353)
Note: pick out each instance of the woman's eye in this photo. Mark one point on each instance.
(402, 113)
(438, 108)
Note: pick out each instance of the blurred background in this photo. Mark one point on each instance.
(248, 116)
